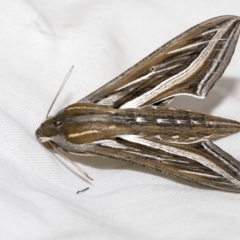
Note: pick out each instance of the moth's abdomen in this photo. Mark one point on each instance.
(184, 126)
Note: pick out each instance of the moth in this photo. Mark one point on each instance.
(128, 118)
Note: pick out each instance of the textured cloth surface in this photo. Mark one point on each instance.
(40, 40)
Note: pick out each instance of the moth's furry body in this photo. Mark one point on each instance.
(84, 123)
(127, 118)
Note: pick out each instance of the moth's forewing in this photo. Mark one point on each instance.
(200, 162)
(189, 64)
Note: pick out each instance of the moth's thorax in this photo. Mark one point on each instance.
(87, 123)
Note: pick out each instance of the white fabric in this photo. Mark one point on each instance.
(39, 41)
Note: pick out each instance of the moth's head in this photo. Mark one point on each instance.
(49, 129)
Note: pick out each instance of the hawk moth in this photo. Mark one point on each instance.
(128, 118)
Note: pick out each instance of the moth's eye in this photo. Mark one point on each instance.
(57, 123)
(38, 132)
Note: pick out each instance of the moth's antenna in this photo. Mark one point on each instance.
(60, 89)
(80, 169)
(73, 163)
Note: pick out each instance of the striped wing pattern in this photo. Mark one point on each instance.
(189, 64)
(201, 162)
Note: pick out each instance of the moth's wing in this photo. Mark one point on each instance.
(200, 162)
(189, 64)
